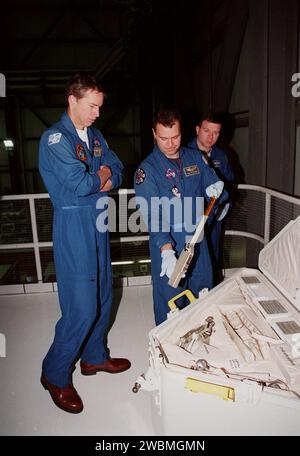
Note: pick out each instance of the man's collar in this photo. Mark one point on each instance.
(158, 151)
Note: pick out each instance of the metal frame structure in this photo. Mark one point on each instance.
(269, 197)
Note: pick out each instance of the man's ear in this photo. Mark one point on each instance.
(197, 130)
(154, 134)
(72, 100)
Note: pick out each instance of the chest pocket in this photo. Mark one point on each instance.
(192, 177)
(97, 151)
(166, 184)
(83, 154)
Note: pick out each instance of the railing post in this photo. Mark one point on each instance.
(267, 218)
(35, 240)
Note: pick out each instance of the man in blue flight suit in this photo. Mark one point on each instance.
(78, 168)
(207, 133)
(176, 174)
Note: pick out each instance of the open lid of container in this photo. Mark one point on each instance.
(279, 260)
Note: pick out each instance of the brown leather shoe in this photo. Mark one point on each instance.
(112, 365)
(65, 398)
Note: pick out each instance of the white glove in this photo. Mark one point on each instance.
(168, 262)
(215, 190)
(224, 212)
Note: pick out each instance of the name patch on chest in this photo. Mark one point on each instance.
(191, 170)
(97, 149)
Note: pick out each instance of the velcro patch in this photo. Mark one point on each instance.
(97, 149)
(191, 170)
(54, 139)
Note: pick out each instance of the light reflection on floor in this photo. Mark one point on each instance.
(110, 407)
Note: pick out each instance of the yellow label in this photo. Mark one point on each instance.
(198, 386)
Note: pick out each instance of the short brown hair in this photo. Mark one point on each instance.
(211, 116)
(80, 83)
(167, 117)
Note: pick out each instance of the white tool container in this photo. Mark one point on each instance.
(229, 363)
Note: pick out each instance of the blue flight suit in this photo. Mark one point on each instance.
(219, 162)
(159, 177)
(81, 252)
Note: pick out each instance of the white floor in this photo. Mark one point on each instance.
(110, 407)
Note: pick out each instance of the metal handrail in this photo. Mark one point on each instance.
(36, 245)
